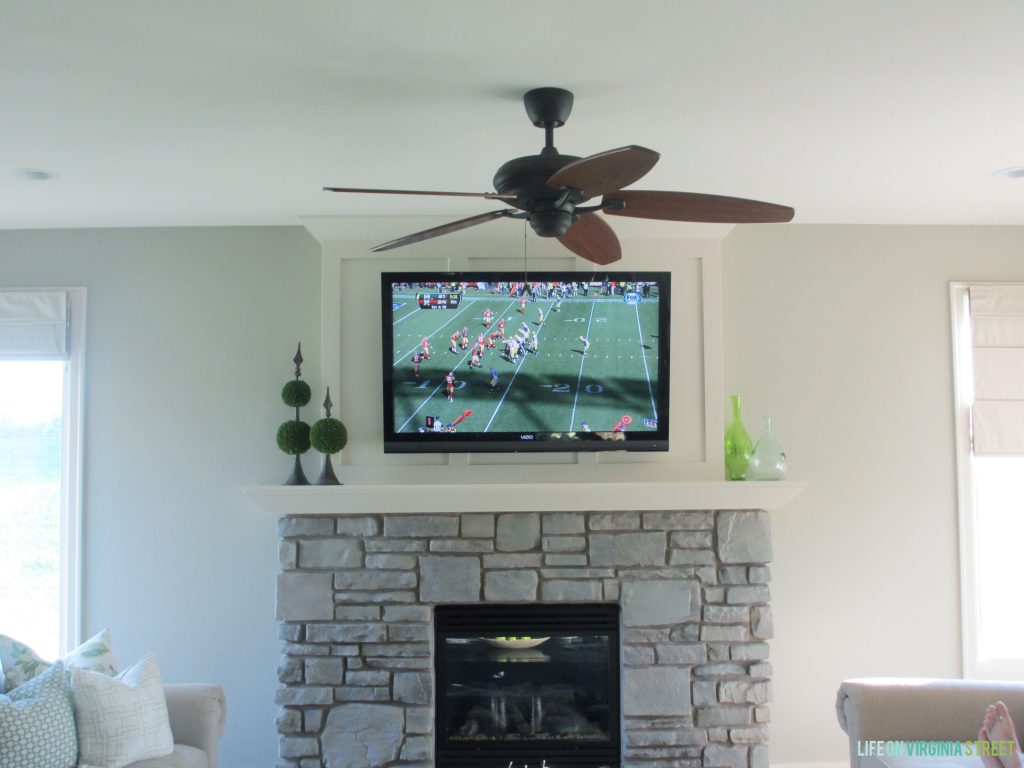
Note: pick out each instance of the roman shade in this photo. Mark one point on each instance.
(997, 340)
(33, 325)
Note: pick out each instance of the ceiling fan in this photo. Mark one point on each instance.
(548, 189)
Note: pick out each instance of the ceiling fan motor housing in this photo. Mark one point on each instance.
(551, 210)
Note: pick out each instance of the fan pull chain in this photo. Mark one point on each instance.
(524, 251)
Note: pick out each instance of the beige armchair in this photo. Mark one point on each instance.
(197, 712)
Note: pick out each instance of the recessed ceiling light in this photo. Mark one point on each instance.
(1016, 172)
(33, 174)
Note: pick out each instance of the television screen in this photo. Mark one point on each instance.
(547, 361)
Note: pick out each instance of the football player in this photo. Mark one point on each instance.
(449, 385)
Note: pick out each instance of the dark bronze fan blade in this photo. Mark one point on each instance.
(606, 171)
(691, 206)
(487, 195)
(592, 239)
(444, 229)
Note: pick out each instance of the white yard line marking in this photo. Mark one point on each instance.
(647, 373)
(579, 378)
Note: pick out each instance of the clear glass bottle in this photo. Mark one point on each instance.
(737, 444)
(768, 461)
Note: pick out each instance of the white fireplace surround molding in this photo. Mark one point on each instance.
(408, 498)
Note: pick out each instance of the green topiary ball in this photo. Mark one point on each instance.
(293, 437)
(296, 393)
(328, 436)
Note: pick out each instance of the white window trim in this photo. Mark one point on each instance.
(71, 475)
(963, 394)
(70, 608)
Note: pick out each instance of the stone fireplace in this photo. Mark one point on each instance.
(356, 600)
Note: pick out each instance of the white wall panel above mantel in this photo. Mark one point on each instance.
(450, 498)
(351, 344)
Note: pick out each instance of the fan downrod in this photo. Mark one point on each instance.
(548, 108)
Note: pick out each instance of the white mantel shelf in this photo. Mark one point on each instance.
(415, 499)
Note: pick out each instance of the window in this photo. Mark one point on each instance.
(988, 345)
(41, 348)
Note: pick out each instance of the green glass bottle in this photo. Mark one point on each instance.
(738, 446)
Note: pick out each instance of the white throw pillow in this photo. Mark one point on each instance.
(123, 719)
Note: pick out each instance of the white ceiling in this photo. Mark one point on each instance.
(239, 111)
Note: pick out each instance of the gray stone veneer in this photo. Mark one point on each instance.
(354, 601)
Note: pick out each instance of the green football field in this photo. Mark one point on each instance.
(556, 389)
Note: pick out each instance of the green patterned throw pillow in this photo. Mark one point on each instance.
(96, 654)
(37, 724)
(20, 663)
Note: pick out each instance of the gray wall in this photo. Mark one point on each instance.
(843, 335)
(190, 338)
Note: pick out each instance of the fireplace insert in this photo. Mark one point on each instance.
(527, 684)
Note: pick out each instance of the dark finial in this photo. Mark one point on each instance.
(298, 361)
(328, 404)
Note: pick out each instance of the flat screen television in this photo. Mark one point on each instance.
(547, 361)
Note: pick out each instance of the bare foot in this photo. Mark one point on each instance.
(987, 760)
(998, 726)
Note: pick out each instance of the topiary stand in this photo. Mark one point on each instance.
(328, 436)
(293, 435)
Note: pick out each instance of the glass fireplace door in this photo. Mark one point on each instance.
(524, 684)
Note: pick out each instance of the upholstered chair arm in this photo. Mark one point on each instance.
(198, 712)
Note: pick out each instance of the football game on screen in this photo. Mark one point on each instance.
(525, 357)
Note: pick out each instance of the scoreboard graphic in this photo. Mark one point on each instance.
(438, 300)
